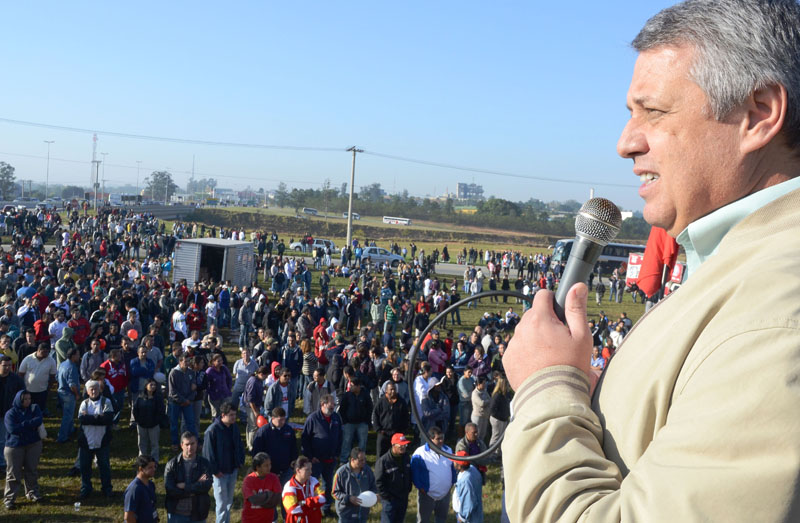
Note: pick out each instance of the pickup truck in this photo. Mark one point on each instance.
(318, 242)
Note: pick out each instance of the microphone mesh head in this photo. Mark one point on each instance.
(598, 220)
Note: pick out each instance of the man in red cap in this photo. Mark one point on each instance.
(393, 477)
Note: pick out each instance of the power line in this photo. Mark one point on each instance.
(207, 175)
(173, 140)
(304, 148)
(497, 173)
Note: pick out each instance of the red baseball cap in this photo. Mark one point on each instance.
(400, 439)
(462, 463)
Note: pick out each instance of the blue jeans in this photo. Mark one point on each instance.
(3, 439)
(394, 511)
(456, 314)
(85, 456)
(244, 330)
(224, 317)
(119, 401)
(67, 415)
(175, 412)
(223, 495)
(234, 319)
(349, 430)
(324, 471)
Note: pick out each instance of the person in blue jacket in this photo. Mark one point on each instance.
(468, 496)
(322, 442)
(23, 448)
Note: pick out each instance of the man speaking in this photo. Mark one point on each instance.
(697, 417)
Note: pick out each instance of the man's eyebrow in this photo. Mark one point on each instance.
(639, 101)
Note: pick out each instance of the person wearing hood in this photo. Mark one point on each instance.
(274, 374)
(281, 394)
(10, 384)
(64, 344)
(23, 448)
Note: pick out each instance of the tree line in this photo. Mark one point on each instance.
(535, 216)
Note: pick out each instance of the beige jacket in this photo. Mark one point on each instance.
(696, 418)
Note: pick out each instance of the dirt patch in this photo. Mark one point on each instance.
(296, 227)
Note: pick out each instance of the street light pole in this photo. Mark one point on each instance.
(138, 166)
(47, 178)
(166, 187)
(350, 203)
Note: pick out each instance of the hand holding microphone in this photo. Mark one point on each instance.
(597, 223)
(554, 332)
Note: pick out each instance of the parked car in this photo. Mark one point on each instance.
(380, 255)
(356, 216)
(318, 242)
(9, 209)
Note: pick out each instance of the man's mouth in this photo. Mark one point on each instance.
(648, 178)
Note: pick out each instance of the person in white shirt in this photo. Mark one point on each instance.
(179, 322)
(212, 311)
(56, 328)
(38, 371)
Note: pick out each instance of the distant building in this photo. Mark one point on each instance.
(469, 191)
(225, 195)
(626, 215)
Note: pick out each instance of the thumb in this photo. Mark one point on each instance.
(575, 310)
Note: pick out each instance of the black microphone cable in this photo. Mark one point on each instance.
(411, 375)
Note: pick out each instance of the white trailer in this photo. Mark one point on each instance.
(214, 259)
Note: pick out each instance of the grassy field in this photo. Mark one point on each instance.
(533, 243)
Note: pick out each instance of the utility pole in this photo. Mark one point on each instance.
(104, 174)
(96, 181)
(350, 203)
(138, 166)
(47, 177)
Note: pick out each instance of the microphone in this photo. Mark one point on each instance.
(597, 223)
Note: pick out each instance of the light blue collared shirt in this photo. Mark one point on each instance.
(702, 237)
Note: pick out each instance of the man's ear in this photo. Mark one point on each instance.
(765, 114)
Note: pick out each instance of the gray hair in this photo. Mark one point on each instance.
(742, 46)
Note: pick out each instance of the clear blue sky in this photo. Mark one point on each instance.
(532, 88)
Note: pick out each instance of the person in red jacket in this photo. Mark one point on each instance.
(261, 491)
(321, 337)
(117, 375)
(195, 319)
(41, 328)
(303, 496)
(80, 327)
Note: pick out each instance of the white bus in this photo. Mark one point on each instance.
(396, 221)
(310, 210)
(613, 255)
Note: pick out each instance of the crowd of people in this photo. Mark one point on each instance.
(96, 317)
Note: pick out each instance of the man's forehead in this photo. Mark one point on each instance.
(656, 73)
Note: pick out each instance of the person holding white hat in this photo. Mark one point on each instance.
(350, 481)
